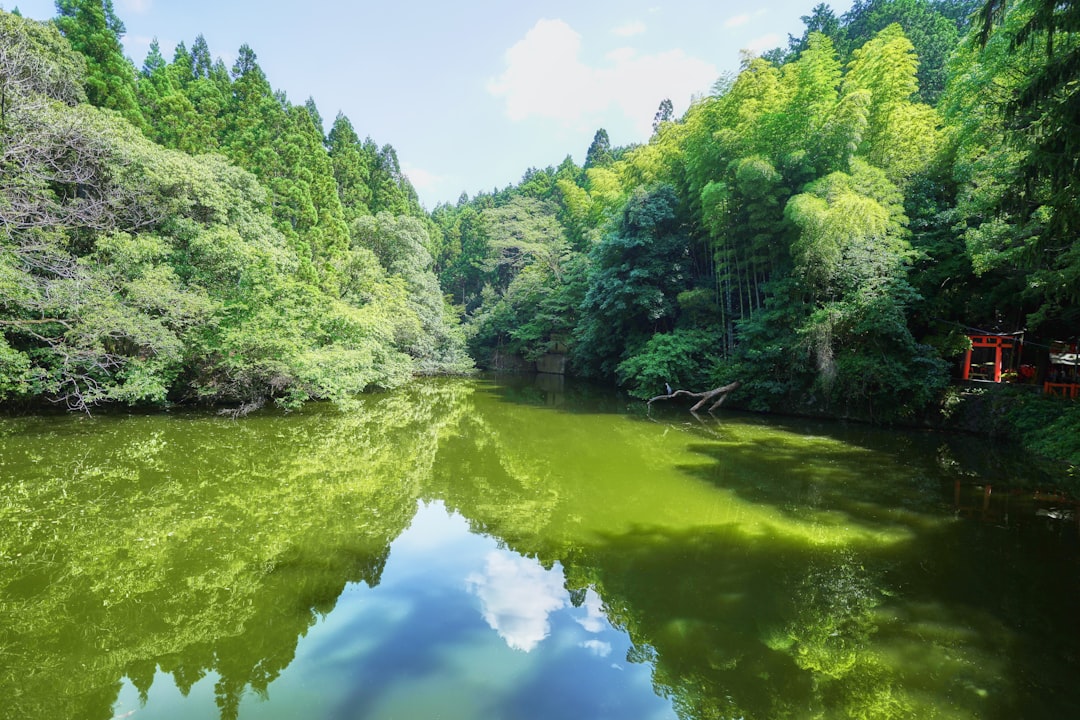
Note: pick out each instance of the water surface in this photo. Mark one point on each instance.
(467, 549)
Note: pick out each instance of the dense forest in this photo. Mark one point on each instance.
(823, 226)
(827, 226)
(183, 233)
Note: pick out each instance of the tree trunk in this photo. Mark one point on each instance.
(703, 397)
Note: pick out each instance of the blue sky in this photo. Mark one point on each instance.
(473, 93)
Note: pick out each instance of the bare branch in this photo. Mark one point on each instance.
(703, 397)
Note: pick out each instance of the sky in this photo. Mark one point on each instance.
(473, 93)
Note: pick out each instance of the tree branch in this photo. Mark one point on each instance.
(703, 397)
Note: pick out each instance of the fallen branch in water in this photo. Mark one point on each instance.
(703, 397)
(244, 410)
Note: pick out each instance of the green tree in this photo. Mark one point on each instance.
(901, 135)
(933, 34)
(94, 30)
(171, 118)
(132, 273)
(391, 191)
(665, 113)
(851, 261)
(400, 243)
(636, 272)
(822, 20)
(599, 152)
(1026, 217)
(352, 169)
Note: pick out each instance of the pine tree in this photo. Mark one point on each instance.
(94, 30)
(599, 152)
(352, 169)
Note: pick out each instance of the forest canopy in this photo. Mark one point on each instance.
(822, 226)
(185, 236)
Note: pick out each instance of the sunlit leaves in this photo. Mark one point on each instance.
(137, 274)
(834, 219)
(95, 31)
(1013, 103)
(426, 330)
(901, 136)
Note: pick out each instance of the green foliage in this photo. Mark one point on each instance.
(137, 274)
(352, 168)
(901, 135)
(599, 152)
(680, 358)
(851, 258)
(770, 223)
(94, 30)
(400, 244)
(851, 231)
(36, 60)
(1049, 425)
(523, 231)
(934, 27)
(813, 216)
(636, 272)
(1016, 156)
(536, 314)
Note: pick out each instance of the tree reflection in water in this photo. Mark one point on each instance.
(759, 569)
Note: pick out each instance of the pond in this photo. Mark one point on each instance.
(527, 549)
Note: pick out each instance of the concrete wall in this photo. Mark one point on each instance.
(505, 362)
(554, 363)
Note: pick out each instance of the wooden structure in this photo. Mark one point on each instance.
(996, 358)
(990, 356)
(1062, 377)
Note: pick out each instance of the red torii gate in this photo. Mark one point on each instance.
(989, 370)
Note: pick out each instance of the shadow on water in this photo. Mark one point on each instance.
(1016, 586)
(759, 625)
(556, 392)
(928, 615)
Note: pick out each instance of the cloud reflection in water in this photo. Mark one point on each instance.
(517, 595)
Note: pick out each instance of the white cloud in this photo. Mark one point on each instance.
(421, 179)
(635, 27)
(545, 77)
(737, 20)
(598, 647)
(621, 55)
(135, 6)
(595, 620)
(517, 595)
(763, 43)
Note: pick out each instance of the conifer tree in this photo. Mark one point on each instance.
(352, 169)
(599, 152)
(94, 30)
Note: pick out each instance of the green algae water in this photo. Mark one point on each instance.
(480, 549)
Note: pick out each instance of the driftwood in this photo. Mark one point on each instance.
(703, 397)
(244, 410)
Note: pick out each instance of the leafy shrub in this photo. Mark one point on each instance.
(683, 358)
